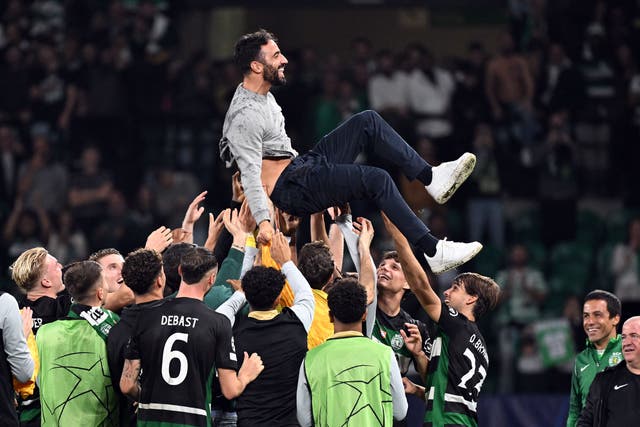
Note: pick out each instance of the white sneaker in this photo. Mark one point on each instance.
(448, 176)
(449, 255)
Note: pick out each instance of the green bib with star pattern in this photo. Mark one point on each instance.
(75, 381)
(350, 383)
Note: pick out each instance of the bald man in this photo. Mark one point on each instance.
(615, 392)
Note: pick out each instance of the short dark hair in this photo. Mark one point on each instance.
(485, 288)
(347, 300)
(247, 48)
(195, 263)
(80, 278)
(391, 255)
(614, 307)
(141, 268)
(262, 286)
(171, 260)
(316, 263)
(98, 255)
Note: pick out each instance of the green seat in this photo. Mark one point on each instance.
(590, 227)
(604, 278)
(571, 282)
(537, 254)
(569, 253)
(617, 224)
(525, 226)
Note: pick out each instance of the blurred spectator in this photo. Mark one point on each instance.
(14, 85)
(194, 92)
(362, 53)
(326, 114)
(26, 228)
(469, 103)
(142, 212)
(349, 102)
(171, 191)
(430, 90)
(510, 89)
(387, 93)
(103, 88)
(529, 366)
(117, 230)
(66, 241)
(625, 266)
(53, 97)
(89, 190)
(560, 87)
(42, 180)
(558, 183)
(523, 289)
(11, 153)
(484, 209)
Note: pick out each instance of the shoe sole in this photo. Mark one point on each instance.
(460, 175)
(460, 262)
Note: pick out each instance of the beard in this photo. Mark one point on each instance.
(270, 74)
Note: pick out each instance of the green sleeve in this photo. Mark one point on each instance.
(221, 290)
(575, 401)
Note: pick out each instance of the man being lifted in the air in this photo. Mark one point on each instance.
(254, 137)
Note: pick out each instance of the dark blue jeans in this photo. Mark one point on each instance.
(326, 175)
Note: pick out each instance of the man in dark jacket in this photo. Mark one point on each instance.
(615, 392)
(142, 272)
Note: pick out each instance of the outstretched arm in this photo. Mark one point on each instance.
(193, 214)
(413, 272)
(367, 273)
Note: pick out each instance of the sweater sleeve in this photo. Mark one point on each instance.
(245, 142)
(15, 344)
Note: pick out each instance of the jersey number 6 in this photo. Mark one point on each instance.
(168, 355)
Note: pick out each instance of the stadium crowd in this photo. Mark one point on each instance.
(108, 134)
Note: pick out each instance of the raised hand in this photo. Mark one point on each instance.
(280, 250)
(194, 212)
(246, 220)
(364, 229)
(159, 239)
(265, 233)
(215, 228)
(413, 340)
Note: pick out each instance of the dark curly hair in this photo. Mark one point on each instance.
(316, 264)
(262, 286)
(247, 48)
(81, 278)
(171, 260)
(196, 263)
(141, 268)
(347, 300)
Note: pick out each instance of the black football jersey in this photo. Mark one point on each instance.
(180, 343)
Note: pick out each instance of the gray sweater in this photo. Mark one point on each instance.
(15, 345)
(254, 129)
